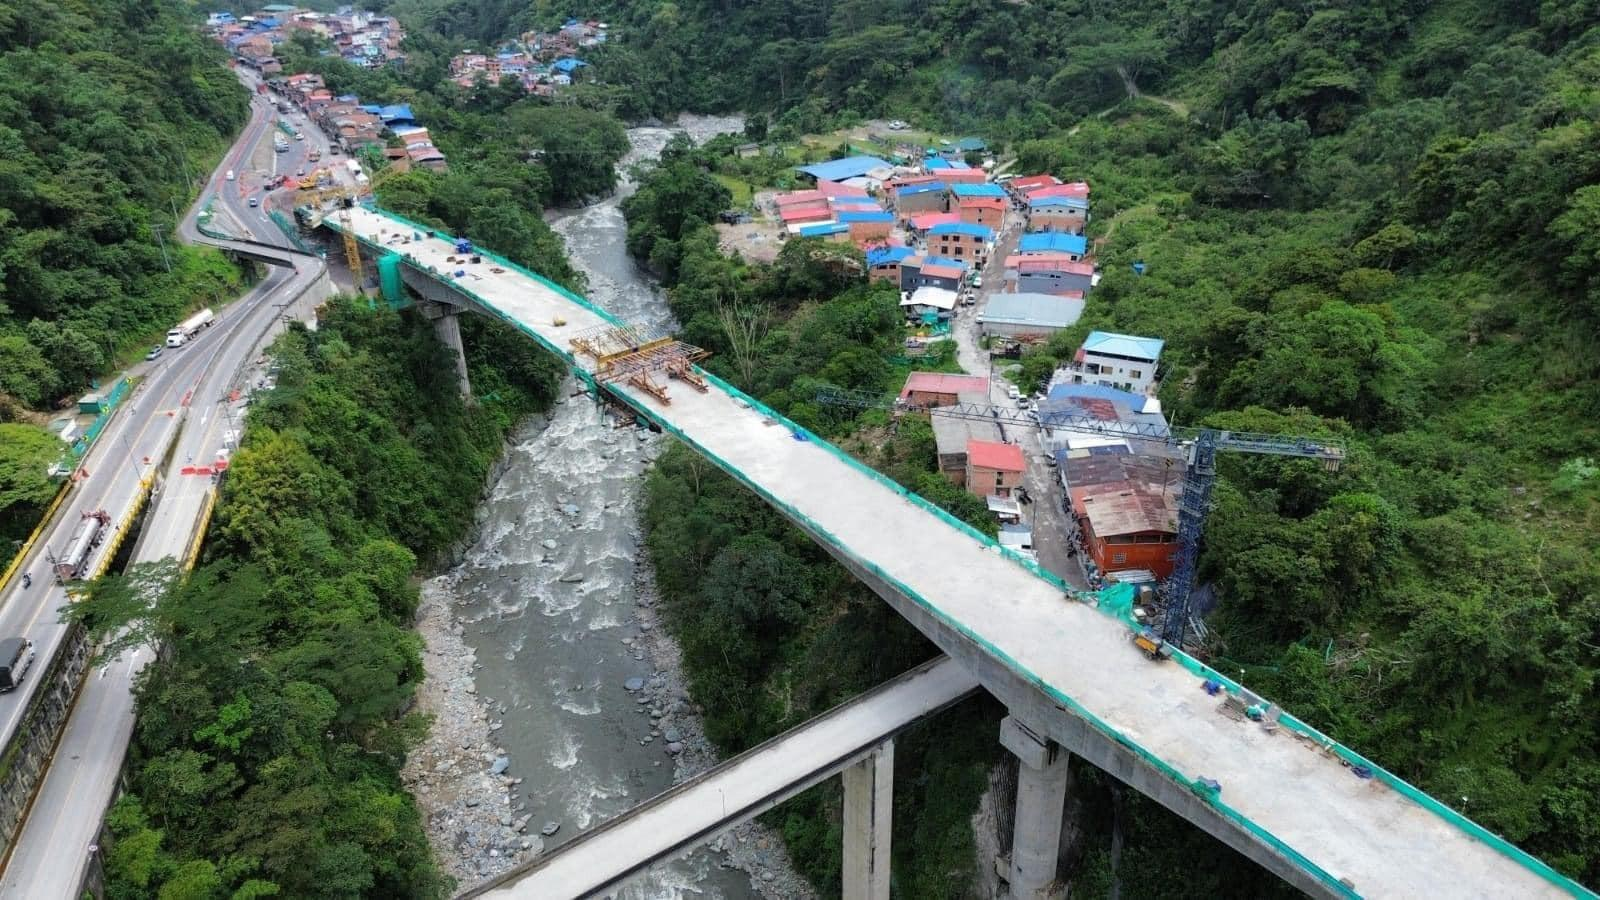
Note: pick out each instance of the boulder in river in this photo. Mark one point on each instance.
(501, 764)
(634, 684)
(550, 828)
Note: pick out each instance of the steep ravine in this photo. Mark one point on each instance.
(545, 661)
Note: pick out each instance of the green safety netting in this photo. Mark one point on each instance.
(1115, 601)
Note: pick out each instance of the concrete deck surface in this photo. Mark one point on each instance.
(1385, 844)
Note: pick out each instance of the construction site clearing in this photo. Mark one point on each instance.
(1363, 832)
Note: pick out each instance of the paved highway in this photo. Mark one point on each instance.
(193, 384)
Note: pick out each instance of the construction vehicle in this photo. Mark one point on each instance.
(1151, 644)
(91, 530)
(342, 198)
(188, 328)
(1200, 446)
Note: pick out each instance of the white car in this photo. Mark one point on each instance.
(898, 125)
(230, 175)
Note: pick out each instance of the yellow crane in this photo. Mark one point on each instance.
(344, 197)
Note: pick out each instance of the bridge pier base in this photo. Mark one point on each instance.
(868, 811)
(1042, 779)
(447, 326)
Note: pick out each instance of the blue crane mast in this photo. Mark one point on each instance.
(1200, 446)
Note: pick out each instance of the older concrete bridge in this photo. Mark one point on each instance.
(1282, 794)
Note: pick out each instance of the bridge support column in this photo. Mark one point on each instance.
(868, 809)
(447, 326)
(1042, 778)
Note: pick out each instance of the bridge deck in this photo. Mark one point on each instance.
(736, 791)
(1384, 842)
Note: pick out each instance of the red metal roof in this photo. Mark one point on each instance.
(964, 176)
(1052, 262)
(943, 383)
(794, 197)
(1031, 182)
(991, 455)
(927, 220)
(806, 213)
(900, 182)
(835, 189)
(941, 271)
(1075, 189)
(981, 203)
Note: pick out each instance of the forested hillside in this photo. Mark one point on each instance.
(1375, 221)
(109, 114)
(271, 731)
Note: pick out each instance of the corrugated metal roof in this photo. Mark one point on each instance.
(1053, 242)
(993, 455)
(885, 255)
(943, 383)
(982, 232)
(1128, 345)
(984, 189)
(1035, 310)
(842, 169)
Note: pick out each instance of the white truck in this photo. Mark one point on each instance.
(190, 327)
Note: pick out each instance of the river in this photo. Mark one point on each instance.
(546, 602)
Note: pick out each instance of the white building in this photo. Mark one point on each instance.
(1121, 361)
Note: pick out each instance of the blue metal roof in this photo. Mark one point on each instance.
(400, 112)
(943, 261)
(823, 229)
(978, 190)
(1073, 202)
(982, 232)
(1123, 345)
(568, 64)
(1053, 242)
(924, 188)
(877, 216)
(881, 256)
(841, 169)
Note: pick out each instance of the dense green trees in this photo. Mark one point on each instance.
(1353, 222)
(96, 159)
(272, 728)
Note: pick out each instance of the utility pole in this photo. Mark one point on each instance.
(156, 227)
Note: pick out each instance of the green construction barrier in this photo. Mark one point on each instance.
(394, 289)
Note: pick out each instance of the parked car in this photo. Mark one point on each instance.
(898, 125)
(154, 353)
(977, 281)
(255, 202)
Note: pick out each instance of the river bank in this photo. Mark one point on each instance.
(557, 696)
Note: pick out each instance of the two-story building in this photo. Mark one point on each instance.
(866, 225)
(1058, 213)
(1122, 361)
(994, 469)
(1048, 273)
(883, 263)
(931, 271)
(960, 240)
(989, 212)
(922, 197)
(1073, 246)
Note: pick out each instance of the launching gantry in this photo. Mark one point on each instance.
(632, 354)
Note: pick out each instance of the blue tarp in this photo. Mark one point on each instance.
(841, 169)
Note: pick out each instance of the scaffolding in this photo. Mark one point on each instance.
(634, 354)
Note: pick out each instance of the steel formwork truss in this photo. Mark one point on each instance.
(632, 354)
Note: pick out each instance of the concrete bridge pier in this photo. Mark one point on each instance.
(1042, 779)
(868, 811)
(447, 326)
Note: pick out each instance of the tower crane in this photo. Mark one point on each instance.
(1199, 445)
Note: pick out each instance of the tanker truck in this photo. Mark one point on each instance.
(190, 327)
